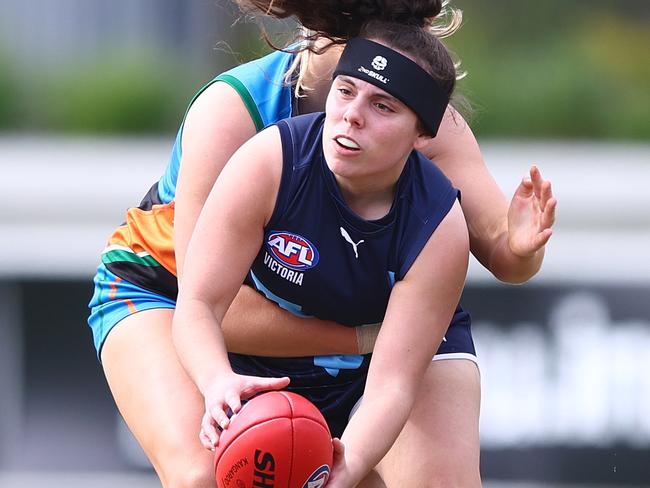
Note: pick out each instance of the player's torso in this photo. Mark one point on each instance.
(318, 258)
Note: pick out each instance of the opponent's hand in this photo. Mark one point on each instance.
(531, 215)
(226, 393)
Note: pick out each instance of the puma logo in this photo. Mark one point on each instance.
(347, 237)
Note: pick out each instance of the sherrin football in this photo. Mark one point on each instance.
(277, 440)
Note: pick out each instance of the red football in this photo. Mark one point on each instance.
(277, 440)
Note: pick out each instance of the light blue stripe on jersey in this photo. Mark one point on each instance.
(282, 303)
(167, 184)
(333, 364)
(391, 278)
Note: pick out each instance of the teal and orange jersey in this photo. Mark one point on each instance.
(142, 249)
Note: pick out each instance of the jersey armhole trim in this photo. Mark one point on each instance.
(246, 98)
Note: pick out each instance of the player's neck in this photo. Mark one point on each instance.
(370, 198)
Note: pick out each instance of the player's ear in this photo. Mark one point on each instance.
(422, 140)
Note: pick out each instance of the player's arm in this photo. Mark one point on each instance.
(255, 325)
(225, 241)
(217, 124)
(507, 239)
(419, 312)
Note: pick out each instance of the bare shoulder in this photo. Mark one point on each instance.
(447, 249)
(262, 154)
(258, 166)
(220, 114)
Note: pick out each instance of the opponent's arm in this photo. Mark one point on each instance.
(255, 325)
(217, 124)
(419, 311)
(508, 240)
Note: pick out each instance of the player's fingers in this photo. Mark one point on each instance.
(234, 402)
(338, 457)
(206, 441)
(219, 416)
(535, 175)
(546, 194)
(258, 384)
(537, 181)
(338, 448)
(534, 172)
(208, 436)
(542, 238)
(548, 216)
(525, 188)
(275, 383)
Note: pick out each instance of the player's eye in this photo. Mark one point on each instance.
(383, 107)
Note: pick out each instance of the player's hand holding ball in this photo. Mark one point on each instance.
(226, 393)
(341, 476)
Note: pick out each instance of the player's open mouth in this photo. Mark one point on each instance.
(347, 143)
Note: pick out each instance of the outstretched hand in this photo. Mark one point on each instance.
(226, 393)
(531, 215)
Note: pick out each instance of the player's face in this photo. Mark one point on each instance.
(368, 133)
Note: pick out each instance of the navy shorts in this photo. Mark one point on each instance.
(335, 384)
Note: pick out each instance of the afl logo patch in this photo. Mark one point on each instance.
(292, 250)
(318, 477)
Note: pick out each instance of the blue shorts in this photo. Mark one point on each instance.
(114, 299)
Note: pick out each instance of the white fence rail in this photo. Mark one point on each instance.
(61, 198)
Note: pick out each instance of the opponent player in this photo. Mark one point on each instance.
(335, 215)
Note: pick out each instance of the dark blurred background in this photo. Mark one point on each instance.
(91, 94)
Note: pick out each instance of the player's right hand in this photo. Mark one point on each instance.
(225, 395)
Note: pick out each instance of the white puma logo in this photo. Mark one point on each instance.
(347, 237)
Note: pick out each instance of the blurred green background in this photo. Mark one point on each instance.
(552, 69)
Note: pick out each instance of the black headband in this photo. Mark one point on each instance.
(396, 74)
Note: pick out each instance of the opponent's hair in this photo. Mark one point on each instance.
(340, 20)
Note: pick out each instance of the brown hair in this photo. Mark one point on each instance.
(340, 20)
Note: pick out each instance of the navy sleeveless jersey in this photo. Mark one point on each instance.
(320, 259)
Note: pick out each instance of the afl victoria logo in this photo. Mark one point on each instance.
(379, 63)
(318, 477)
(292, 250)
